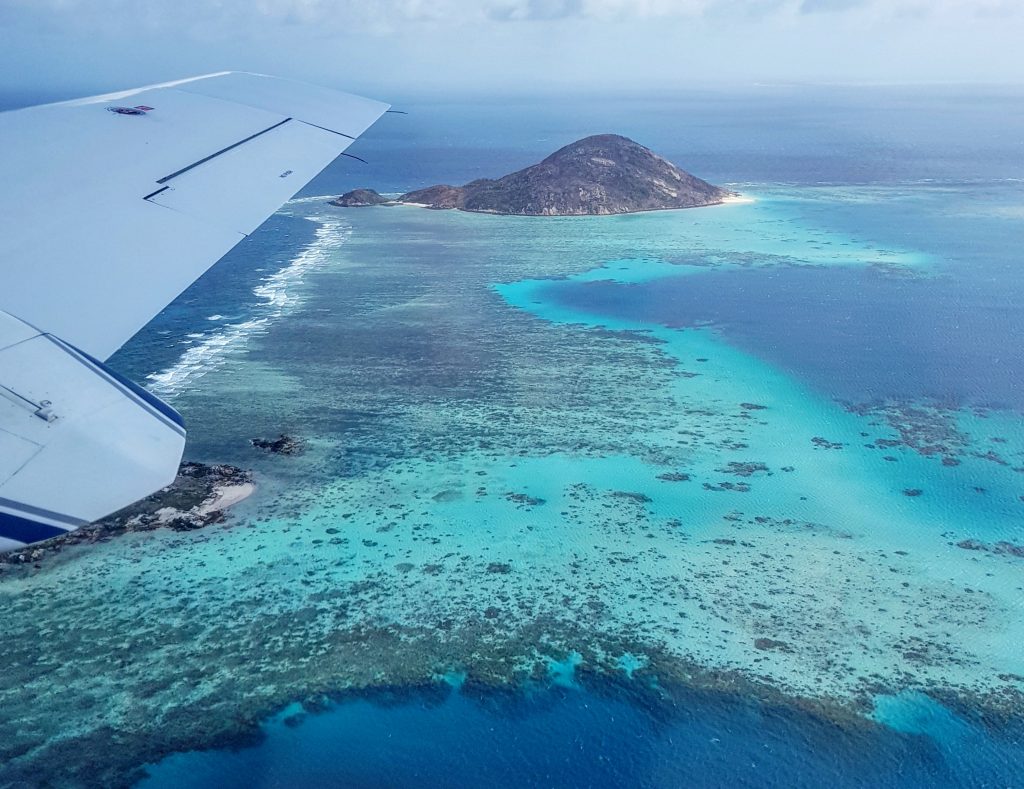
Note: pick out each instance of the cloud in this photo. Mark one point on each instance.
(356, 14)
(387, 16)
(512, 44)
(825, 6)
(534, 9)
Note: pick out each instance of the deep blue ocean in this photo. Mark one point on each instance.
(864, 335)
(565, 737)
(858, 335)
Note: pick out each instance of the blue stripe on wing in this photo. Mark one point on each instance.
(14, 527)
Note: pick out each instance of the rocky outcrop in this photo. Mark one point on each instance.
(440, 196)
(282, 445)
(604, 174)
(197, 498)
(359, 198)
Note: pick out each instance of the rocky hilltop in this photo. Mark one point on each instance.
(603, 174)
(358, 198)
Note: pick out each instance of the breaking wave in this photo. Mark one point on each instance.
(277, 296)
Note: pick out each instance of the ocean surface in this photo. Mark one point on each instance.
(722, 497)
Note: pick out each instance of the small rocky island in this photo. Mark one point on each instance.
(198, 497)
(359, 198)
(603, 174)
(282, 445)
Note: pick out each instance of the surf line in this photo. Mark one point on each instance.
(277, 296)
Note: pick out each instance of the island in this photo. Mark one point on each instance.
(198, 497)
(358, 198)
(598, 175)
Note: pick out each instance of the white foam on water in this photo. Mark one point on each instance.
(317, 199)
(277, 294)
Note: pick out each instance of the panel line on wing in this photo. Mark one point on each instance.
(31, 403)
(178, 211)
(158, 191)
(324, 128)
(205, 159)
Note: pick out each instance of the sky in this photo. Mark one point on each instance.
(64, 48)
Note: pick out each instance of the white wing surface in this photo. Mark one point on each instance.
(106, 216)
(110, 207)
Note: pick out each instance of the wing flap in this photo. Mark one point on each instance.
(77, 443)
(237, 188)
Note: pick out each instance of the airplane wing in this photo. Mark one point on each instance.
(110, 207)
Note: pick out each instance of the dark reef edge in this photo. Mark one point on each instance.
(666, 690)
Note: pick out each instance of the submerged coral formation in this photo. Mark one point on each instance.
(501, 486)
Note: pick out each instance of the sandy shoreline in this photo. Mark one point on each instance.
(227, 496)
(735, 199)
(198, 497)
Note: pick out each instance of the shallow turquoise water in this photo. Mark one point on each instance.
(812, 488)
(653, 548)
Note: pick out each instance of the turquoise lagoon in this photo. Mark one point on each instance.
(552, 514)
